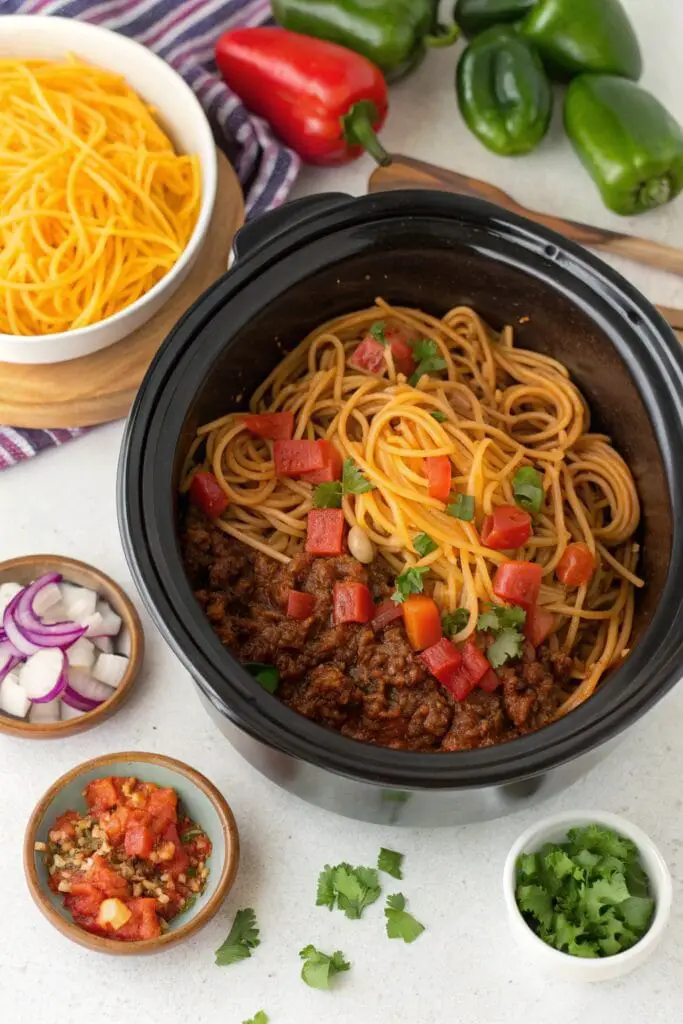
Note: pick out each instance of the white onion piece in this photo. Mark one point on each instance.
(9, 657)
(7, 592)
(43, 675)
(79, 602)
(111, 622)
(104, 644)
(110, 668)
(13, 699)
(92, 624)
(57, 613)
(68, 712)
(81, 654)
(49, 712)
(122, 644)
(45, 599)
(85, 686)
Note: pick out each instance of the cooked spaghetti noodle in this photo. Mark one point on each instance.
(95, 205)
(498, 408)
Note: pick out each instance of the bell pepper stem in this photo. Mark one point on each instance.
(443, 35)
(654, 192)
(358, 131)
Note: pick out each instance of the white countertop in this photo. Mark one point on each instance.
(465, 967)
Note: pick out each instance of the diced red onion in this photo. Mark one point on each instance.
(27, 631)
(78, 702)
(9, 657)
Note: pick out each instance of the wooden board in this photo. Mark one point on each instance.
(101, 387)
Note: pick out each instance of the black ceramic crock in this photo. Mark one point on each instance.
(331, 254)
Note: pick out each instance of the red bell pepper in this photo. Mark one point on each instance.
(325, 531)
(323, 100)
(475, 663)
(442, 659)
(369, 356)
(208, 495)
(422, 621)
(387, 613)
(438, 472)
(331, 468)
(460, 683)
(490, 682)
(576, 566)
(351, 602)
(539, 625)
(299, 605)
(518, 583)
(273, 426)
(404, 360)
(293, 458)
(509, 527)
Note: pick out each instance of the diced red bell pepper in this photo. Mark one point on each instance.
(539, 625)
(144, 922)
(352, 602)
(422, 621)
(208, 495)
(272, 426)
(299, 605)
(139, 840)
(438, 472)
(460, 683)
(509, 527)
(518, 583)
(369, 356)
(292, 458)
(576, 566)
(386, 614)
(490, 682)
(476, 663)
(442, 659)
(402, 353)
(101, 795)
(325, 531)
(331, 468)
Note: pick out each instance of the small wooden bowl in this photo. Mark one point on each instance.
(200, 799)
(25, 570)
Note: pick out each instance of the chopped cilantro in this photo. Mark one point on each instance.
(242, 938)
(401, 924)
(190, 834)
(349, 889)
(259, 1018)
(424, 545)
(319, 968)
(527, 487)
(191, 872)
(409, 582)
(328, 495)
(377, 331)
(497, 617)
(462, 508)
(389, 861)
(456, 621)
(353, 481)
(189, 903)
(440, 417)
(426, 354)
(506, 646)
(267, 675)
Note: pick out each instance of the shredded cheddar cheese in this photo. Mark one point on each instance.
(95, 204)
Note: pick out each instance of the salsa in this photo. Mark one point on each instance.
(129, 864)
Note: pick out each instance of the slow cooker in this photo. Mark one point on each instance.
(331, 254)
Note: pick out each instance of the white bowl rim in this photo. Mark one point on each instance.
(531, 837)
(208, 189)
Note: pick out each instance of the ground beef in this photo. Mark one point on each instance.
(368, 686)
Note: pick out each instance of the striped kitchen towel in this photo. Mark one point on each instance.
(184, 33)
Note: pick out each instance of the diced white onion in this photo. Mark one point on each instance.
(122, 643)
(104, 644)
(46, 599)
(79, 602)
(41, 673)
(81, 654)
(45, 712)
(111, 622)
(69, 712)
(110, 668)
(57, 613)
(93, 622)
(82, 682)
(7, 592)
(13, 699)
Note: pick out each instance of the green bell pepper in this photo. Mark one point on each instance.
(628, 142)
(503, 91)
(575, 36)
(474, 16)
(393, 34)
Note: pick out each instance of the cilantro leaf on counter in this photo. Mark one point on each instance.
(377, 332)
(401, 924)
(328, 495)
(440, 417)
(409, 582)
(319, 968)
(454, 622)
(424, 545)
(353, 481)
(267, 675)
(507, 646)
(462, 508)
(349, 889)
(426, 355)
(260, 1018)
(242, 938)
(389, 861)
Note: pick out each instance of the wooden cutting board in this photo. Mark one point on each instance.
(101, 387)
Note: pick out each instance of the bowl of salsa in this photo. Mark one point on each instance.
(130, 853)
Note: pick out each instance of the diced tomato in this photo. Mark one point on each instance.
(139, 840)
(442, 659)
(114, 823)
(162, 809)
(100, 795)
(518, 583)
(422, 621)
(402, 353)
(576, 566)
(539, 625)
(273, 426)
(438, 472)
(325, 531)
(332, 465)
(64, 826)
(369, 356)
(208, 495)
(490, 682)
(104, 878)
(509, 527)
(352, 602)
(299, 605)
(178, 864)
(476, 663)
(144, 922)
(385, 614)
(460, 683)
(292, 458)
(84, 899)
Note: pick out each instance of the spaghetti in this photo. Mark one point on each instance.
(95, 205)
(498, 409)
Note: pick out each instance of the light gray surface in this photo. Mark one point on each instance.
(464, 968)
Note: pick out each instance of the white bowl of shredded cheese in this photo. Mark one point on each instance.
(96, 238)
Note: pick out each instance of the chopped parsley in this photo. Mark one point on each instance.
(328, 495)
(242, 938)
(455, 621)
(267, 675)
(426, 354)
(462, 507)
(349, 889)
(588, 896)
(353, 481)
(377, 332)
(440, 417)
(319, 968)
(401, 924)
(424, 545)
(505, 624)
(409, 582)
(259, 1018)
(389, 861)
(527, 487)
